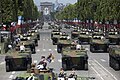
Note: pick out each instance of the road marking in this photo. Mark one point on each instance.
(55, 49)
(38, 50)
(52, 61)
(13, 72)
(59, 60)
(97, 73)
(105, 69)
(103, 60)
(50, 49)
(44, 49)
(35, 61)
(43, 39)
(11, 76)
(2, 63)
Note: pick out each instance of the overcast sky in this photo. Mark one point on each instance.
(37, 2)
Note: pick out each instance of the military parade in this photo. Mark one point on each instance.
(76, 41)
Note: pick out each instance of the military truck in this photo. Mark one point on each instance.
(28, 44)
(113, 37)
(114, 57)
(72, 58)
(54, 36)
(74, 34)
(35, 33)
(5, 40)
(63, 42)
(17, 60)
(84, 37)
(36, 74)
(98, 43)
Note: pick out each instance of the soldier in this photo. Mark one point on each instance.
(22, 47)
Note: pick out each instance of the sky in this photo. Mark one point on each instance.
(37, 2)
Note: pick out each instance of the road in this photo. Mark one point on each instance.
(98, 62)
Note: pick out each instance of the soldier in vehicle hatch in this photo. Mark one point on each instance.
(22, 47)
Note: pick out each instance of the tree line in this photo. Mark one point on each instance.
(97, 10)
(11, 9)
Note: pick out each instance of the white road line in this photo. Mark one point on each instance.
(103, 60)
(59, 60)
(50, 49)
(97, 73)
(44, 49)
(52, 61)
(35, 61)
(2, 63)
(13, 72)
(38, 50)
(106, 70)
(11, 76)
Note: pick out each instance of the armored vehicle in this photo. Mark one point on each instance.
(72, 58)
(74, 34)
(17, 60)
(32, 37)
(54, 36)
(113, 37)
(114, 57)
(63, 42)
(98, 43)
(5, 40)
(84, 37)
(35, 33)
(28, 44)
(36, 74)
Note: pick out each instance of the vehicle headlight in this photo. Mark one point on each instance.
(116, 33)
(87, 33)
(35, 30)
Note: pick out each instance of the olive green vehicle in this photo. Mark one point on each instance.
(74, 34)
(113, 37)
(98, 43)
(37, 75)
(62, 43)
(114, 57)
(28, 44)
(84, 37)
(32, 37)
(55, 34)
(72, 58)
(5, 40)
(35, 33)
(17, 60)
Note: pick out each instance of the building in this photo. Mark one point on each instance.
(46, 6)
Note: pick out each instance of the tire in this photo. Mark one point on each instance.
(7, 68)
(64, 66)
(86, 67)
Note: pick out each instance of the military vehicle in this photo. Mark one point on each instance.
(72, 58)
(36, 74)
(98, 43)
(84, 37)
(35, 33)
(63, 42)
(74, 34)
(114, 57)
(17, 60)
(113, 37)
(28, 44)
(5, 40)
(54, 36)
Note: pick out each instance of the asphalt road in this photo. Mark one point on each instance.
(98, 62)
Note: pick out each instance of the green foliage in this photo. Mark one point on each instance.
(11, 9)
(100, 10)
